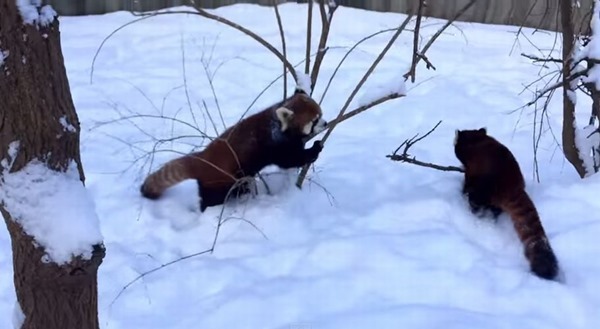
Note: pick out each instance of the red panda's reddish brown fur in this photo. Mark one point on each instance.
(275, 135)
(493, 181)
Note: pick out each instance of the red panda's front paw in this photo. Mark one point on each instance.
(313, 152)
(317, 146)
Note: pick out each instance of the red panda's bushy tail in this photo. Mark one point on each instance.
(173, 172)
(528, 226)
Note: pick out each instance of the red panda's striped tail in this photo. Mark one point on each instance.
(173, 172)
(528, 226)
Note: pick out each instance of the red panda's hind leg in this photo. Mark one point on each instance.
(479, 193)
(244, 186)
(212, 196)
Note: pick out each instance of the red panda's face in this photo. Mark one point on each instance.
(301, 116)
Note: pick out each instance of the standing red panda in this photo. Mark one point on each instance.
(273, 136)
(493, 181)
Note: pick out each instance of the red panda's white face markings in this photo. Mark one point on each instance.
(315, 126)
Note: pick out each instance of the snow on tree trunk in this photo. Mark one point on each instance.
(570, 149)
(588, 139)
(56, 242)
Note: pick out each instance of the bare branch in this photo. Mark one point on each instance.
(405, 157)
(304, 171)
(308, 37)
(536, 59)
(413, 66)
(408, 159)
(556, 85)
(438, 33)
(282, 34)
(326, 19)
(368, 73)
(361, 109)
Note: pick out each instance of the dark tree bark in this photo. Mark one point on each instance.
(34, 97)
(572, 153)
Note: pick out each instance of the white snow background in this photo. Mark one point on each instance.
(389, 245)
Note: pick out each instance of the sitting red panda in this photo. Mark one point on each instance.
(273, 136)
(493, 181)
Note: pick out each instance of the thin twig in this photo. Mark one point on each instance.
(348, 53)
(185, 84)
(210, 250)
(557, 85)
(201, 12)
(211, 84)
(536, 59)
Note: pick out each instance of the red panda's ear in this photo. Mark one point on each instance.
(284, 115)
(483, 130)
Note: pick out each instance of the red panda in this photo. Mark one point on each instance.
(273, 136)
(493, 181)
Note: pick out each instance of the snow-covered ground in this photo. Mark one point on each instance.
(368, 242)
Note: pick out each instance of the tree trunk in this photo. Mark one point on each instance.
(572, 153)
(35, 104)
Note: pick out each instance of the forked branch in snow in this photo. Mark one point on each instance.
(406, 157)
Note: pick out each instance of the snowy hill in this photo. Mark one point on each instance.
(367, 242)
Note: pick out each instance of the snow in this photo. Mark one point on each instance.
(376, 89)
(66, 125)
(586, 140)
(367, 242)
(304, 83)
(47, 15)
(592, 49)
(30, 14)
(18, 316)
(3, 55)
(54, 208)
(13, 149)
